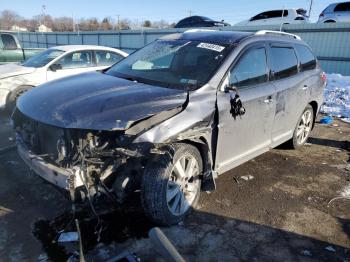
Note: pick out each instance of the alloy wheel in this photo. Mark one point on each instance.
(183, 185)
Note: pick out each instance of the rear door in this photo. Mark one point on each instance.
(105, 59)
(291, 90)
(241, 138)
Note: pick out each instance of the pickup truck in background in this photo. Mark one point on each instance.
(11, 50)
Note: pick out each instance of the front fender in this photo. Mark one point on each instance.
(195, 118)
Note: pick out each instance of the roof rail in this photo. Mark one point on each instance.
(266, 32)
(198, 30)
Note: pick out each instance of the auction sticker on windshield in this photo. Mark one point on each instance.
(217, 48)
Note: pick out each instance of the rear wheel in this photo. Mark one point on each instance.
(303, 128)
(171, 187)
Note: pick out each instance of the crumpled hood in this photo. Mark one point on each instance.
(97, 101)
(9, 70)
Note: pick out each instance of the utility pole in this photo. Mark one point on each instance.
(43, 7)
(311, 3)
(117, 24)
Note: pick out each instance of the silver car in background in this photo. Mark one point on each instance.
(336, 13)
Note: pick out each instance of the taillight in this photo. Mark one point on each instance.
(324, 77)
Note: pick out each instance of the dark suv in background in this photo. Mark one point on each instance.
(199, 21)
(171, 117)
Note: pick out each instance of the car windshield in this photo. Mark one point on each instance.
(43, 58)
(180, 64)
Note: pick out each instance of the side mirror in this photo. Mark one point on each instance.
(55, 67)
(230, 87)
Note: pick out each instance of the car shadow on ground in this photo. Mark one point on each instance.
(209, 237)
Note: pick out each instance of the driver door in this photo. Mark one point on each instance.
(72, 64)
(243, 137)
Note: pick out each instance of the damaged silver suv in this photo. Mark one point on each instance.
(171, 117)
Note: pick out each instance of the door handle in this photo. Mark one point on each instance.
(305, 87)
(268, 100)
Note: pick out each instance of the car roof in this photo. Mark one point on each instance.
(68, 48)
(220, 37)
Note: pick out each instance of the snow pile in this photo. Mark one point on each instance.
(337, 97)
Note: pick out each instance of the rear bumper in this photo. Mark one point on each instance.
(51, 173)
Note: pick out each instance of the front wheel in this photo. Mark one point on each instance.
(171, 187)
(303, 128)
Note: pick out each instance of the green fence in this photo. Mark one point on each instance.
(330, 42)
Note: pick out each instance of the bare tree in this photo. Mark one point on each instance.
(147, 23)
(124, 24)
(106, 25)
(8, 18)
(63, 23)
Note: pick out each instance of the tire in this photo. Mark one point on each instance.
(299, 139)
(14, 95)
(167, 194)
(329, 21)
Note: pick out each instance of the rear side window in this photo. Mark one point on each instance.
(251, 69)
(307, 59)
(106, 58)
(270, 14)
(284, 62)
(8, 42)
(343, 7)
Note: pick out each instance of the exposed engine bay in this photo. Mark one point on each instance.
(99, 162)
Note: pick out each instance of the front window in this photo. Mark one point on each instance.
(43, 58)
(251, 69)
(173, 63)
(79, 59)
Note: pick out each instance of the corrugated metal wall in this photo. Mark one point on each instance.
(330, 42)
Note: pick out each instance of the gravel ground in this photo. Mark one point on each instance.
(282, 214)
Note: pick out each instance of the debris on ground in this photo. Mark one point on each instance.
(236, 180)
(306, 253)
(68, 237)
(327, 120)
(247, 178)
(330, 249)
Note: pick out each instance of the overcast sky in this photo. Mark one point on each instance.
(230, 10)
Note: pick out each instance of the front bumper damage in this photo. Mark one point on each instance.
(60, 177)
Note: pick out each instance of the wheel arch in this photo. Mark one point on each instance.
(314, 106)
(203, 146)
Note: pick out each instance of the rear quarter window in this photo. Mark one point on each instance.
(9, 42)
(306, 57)
(343, 7)
(284, 62)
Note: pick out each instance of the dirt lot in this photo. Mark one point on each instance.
(282, 214)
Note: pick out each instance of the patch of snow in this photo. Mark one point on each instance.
(337, 97)
(346, 192)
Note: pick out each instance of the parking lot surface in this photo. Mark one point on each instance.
(273, 208)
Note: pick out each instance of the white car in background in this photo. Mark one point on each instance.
(55, 62)
(335, 13)
(274, 17)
